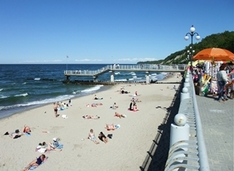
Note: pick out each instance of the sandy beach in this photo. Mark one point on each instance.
(126, 150)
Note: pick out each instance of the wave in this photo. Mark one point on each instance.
(95, 88)
(40, 102)
(42, 79)
(121, 80)
(49, 100)
(3, 97)
(19, 95)
(1, 89)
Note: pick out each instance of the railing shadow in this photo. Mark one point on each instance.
(157, 155)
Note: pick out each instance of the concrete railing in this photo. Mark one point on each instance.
(187, 146)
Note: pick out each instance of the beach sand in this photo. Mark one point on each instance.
(125, 151)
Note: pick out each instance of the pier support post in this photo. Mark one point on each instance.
(112, 78)
(147, 78)
(95, 79)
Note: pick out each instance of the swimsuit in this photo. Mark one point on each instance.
(39, 161)
(101, 137)
(92, 137)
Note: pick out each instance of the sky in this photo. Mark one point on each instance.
(105, 31)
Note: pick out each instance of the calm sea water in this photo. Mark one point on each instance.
(25, 86)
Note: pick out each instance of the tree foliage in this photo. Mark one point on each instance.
(223, 40)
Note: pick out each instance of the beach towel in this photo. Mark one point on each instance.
(27, 134)
(32, 167)
(133, 110)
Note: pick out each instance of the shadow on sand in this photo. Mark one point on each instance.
(156, 157)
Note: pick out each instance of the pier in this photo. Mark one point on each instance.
(147, 68)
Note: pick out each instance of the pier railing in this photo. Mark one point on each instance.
(143, 68)
(187, 146)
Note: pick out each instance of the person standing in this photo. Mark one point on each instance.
(56, 109)
(222, 80)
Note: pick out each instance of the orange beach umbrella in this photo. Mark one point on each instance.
(214, 54)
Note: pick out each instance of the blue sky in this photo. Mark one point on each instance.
(104, 31)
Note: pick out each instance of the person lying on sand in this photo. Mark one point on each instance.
(94, 105)
(16, 134)
(102, 137)
(92, 136)
(120, 115)
(44, 147)
(90, 117)
(114, 106)
(36, 162)
(56, 145)
(26, 129)
(111, 127)
(97, 98)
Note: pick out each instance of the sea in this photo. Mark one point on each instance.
(26, 86)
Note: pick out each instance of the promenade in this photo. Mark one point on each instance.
(217, 124)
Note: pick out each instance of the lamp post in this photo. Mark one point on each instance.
(191, 34)
(190, 52)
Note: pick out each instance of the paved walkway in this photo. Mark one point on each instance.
(217, 125)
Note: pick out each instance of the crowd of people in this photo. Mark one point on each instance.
(220, 85)
(111, 127)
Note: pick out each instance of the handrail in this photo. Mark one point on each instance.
(192, 154)
(204, 163)
(143, 67)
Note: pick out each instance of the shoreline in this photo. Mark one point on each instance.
(22, 109)
(136, 130)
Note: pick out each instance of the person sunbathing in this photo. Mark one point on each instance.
(90, 117)
(133, 106)
(119, 115)
(97, 98)
(92, 136)
(36, 162)
(114, 106)
(102, 137)
(26, 129)
(16, 134)
(111, 127)
(96, 104)
(44, 147)
(124, 92)
(56, 145)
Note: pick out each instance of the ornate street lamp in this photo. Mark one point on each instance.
(191, 34)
